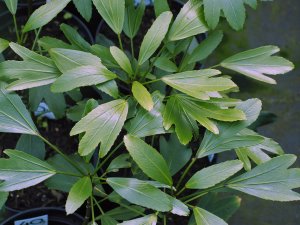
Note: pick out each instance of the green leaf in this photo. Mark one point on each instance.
(133, 19)
(142, 95)
(196, 83)
(3, 44)
(154, 36)
(146, 123)
(48, 43)
(74, 38)
(3, 198)
(210, 176)
(161, 6)
(183, 112)
(12, 7)
(55, 102)
(175, 154)
(85, 8)
(165, 64)
(122, 213)
(148, 159)
(140, 193)
(271, 180)
(31, 145)
(258, 62)
(146, 220)
(228, 138)
(102, 125)
(82, 76)
(179, 208)
(206, 47)
(45, 14)
(204, 217)
(121, 59)
(188, 22)
(104, 54)
(22, 170)
(14, 117)
(120, 162)
(113, 12)
(233, 10)
(80, 192)
(67, 59)
(107, 220)
(111, 88)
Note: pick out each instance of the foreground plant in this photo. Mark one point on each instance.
(150, 109)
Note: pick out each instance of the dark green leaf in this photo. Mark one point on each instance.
(161, 6)
(31, 145)
(3, 45)
(133, 19)
(165, 64)
(85, 8)
(22, 170)
(120, 162)
(148, 159)
(3, 198)
(140, 193)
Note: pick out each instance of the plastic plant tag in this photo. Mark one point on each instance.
(40, 220)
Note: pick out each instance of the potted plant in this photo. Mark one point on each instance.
(156, 117)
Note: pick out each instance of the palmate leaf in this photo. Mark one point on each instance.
(147, 123)
(255, 63)
(188, 22)
(14, 117)
(271, 180)
(148, 159)
(203, 217)
(22, 170)
(184, 111)
(113, 12)
(198, 82)
(102, 125)
(228, 138)
(141, 193)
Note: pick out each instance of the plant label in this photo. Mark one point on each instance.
(41, 220)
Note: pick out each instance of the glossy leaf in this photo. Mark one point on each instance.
(142, 95)
(44, 14)
(175, 154)
(85, 8)
(122, 59)
(82, 76)
(102, 125)
(188, 22)
(212, 143)
(80, 192)
(32, 145)
(133, 19)
(259, 62)
(14, 117)
(3, 44)
(146, 220)
(154, 36)
(197, 83)
(12, 6)
(206, 47)
(74, 38)
(271, 180)
(204, 217)
(148, 159)
(16, 177)
(113, 12)
(210, 176)
(147, 123)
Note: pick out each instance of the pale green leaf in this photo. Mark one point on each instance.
(188, 22)
(111, 88)
(44, 14)
(121, 59)
(210, 176)
(141, 193)
(120, 162)
(12, 7)
(204, 217)
(113, 12)
(154, 36)
(49, 42)
(80, 191)
(146, 220)
(142, 96)
(102, 125)
(21, 170)
(148, 159)
(259, 62)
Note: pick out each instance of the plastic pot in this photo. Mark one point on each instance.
(56, 216)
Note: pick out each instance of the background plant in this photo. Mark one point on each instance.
(137, 102)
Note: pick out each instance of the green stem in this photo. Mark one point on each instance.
(132, 49)
(62, 154)
(165, 220)
(185, 172)
(199, 194)
(215, 66)
(92, 207)
(120, 42)
(16, 28)
(152, 81)
(37, 34)
(182, 190)
(99, 207)
(68, 174)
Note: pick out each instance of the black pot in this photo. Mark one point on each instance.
(56, 216)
